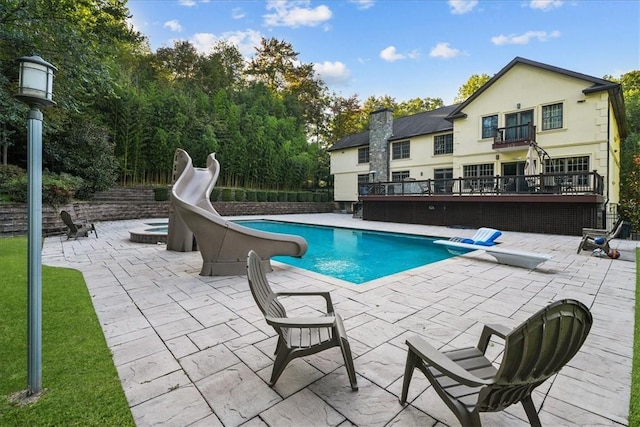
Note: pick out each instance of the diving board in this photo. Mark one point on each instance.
(504, 256)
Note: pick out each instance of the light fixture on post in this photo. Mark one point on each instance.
(36, 90)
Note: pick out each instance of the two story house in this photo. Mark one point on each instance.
(537, 148)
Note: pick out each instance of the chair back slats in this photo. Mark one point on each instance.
(262, 293)
(66, 218)
(536, 350)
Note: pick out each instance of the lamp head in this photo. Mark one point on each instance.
(36, 81)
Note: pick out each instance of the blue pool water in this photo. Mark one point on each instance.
(356, 256)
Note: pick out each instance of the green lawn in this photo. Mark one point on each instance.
(82, 385)
(634, 411)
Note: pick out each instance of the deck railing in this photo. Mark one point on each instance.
(572, 183)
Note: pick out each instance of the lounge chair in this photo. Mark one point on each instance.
(467, 381)
(77, 229)
(297, 336)
(483, 237)
(502, 255)
(589, 237)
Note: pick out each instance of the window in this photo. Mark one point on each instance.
(570, 166)
(363, 181)
(399, 176)
(552, 116)
(483, 172)
(400, 150)
(517, 125)
(489, 126)
(443, 180)
(443, 144)
(363, 155)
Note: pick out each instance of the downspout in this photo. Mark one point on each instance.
(606, 202)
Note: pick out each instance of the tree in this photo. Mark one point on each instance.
(475, 82)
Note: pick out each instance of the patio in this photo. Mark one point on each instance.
(194, 350)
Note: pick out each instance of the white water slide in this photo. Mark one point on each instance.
(223, 244)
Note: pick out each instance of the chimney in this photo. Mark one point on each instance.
(380, 130)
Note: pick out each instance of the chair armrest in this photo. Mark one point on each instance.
(302, 322)
(489, 330)
(324, 294)
(442, 363)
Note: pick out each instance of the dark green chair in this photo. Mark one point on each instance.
(77, 229)
(297, 336)
(468, 382)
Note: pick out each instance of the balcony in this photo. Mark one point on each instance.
(567, 184)
(513, 138)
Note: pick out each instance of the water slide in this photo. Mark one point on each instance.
(223, 244)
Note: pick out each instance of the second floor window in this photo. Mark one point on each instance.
(363, 155)
(489, 126)
(552, 116)
(399, 176)
(400, 150)
(443, 144)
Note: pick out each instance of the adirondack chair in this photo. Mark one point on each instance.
(301, 336)
(589, 237)
(534, 351)
(77, 229)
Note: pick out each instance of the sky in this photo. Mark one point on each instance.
(408, 49)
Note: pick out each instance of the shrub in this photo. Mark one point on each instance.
(317, 197)
(282, 196)
(10, 171)
(239, 195)
(272, 196)
(215, 195)
(56, 189)
(262, 196)
(303, 196)
(324, 197)
(227, 195)
(251, 196)
(161, 194)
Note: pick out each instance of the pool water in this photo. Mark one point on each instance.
(356, 256)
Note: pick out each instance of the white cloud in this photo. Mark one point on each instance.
(525, 38)
(295, 14)
(246, 41)
(363, 4)
(390, 54)
(443, 50)
(173, 25)
(545, 5)
(238, 13)
(460, 7)
(187, 3)
(332, 73)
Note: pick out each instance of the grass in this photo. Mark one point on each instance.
(634, 407)
(81, 382)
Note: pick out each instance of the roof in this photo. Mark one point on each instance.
(425, 123)
(597, 85)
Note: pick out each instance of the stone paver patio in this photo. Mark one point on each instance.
(196, 351)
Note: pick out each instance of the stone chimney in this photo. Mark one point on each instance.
(380, 130)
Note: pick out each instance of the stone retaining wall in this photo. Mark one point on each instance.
(13, 217)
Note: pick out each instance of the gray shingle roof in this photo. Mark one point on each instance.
(425, 123)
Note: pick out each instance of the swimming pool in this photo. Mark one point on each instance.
(356, 256)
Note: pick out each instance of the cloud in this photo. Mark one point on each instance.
(332, 73)
(237, 13)
(187, 3)
(525, 38)
(363, 4)
(442, 50)
(173, 25)
(246, 41)
(390, 54)
(460, 7)
(295, 14)
(545, 5)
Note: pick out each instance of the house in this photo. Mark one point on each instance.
(537, 148)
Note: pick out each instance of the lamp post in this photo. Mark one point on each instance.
(35, 90)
